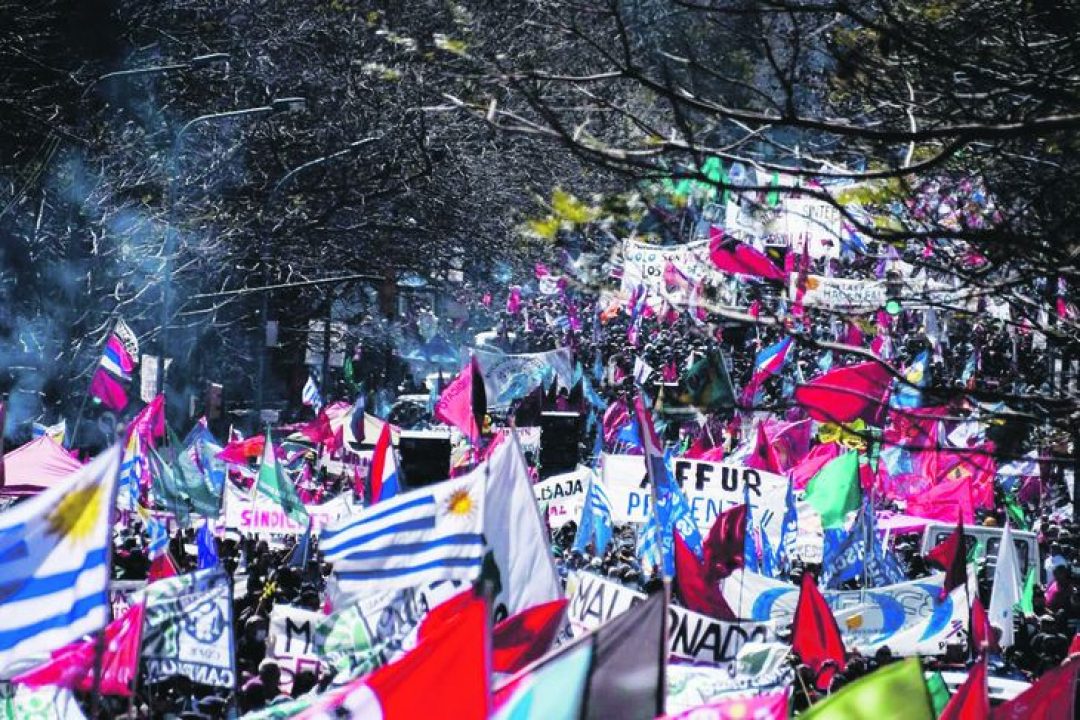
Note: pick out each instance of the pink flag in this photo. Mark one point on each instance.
(456, 406)
(790, 441)
(72, 666)
(762, 706)
(740, 258)
(513, 301)
(149, 424)
(810, 465)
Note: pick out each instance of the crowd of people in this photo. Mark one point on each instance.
(621, 343)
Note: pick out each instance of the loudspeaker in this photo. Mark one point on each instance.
(425, 457)
(559, 433)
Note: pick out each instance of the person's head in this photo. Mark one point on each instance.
(270, 674)
(303, 682)
(1061, 574)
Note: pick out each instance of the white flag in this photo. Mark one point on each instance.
(516, 534)
(1006, 592)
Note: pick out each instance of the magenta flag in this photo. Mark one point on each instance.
(741, 259)
(108, 390)
(771, 705)
(72, 666)
(455, 405)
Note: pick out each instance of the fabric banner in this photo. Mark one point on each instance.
(266, 516)
(840, 293)
(692, 636)
(562, 497)
(758, 667)
(188, 629)
(291, 641)
(710, 488)
(908, 617)
(644, 264)
(508, 377)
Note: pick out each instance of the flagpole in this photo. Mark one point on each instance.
(99, 640)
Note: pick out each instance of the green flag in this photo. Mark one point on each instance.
(165, 489)
(939, 692)
(895, 692)
(1027, 597)
(708, 385)
(193, 483)
(1015, 511)
(273, 484)
(773, 198)
(834, 491)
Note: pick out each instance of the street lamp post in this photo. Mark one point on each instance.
(196, 62)
(276, 106)
(272, 200)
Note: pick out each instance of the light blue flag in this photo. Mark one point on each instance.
(54, 562)
(909, 394)
(595, 526)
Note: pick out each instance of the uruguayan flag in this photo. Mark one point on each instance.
(310, 394)
(54, 564)
(411, 539)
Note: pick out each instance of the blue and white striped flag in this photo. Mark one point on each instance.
(54, 563)
(595, 525)
(411, 539)
(310, 394)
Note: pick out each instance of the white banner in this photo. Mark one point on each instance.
(710, 488)
(908, 616)
(507, 377)
(643, 265)
(188, 629)
(840, 293)
(563, 496)
(265, 516)
(692, 636)
(292, 642)
(759, 667)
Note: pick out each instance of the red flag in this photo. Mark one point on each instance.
(1051, 697)
(1074, 646)
(740, 258)
(764, 456)
(444, 677)
(982, 635)
(240, 451)
(846, 394)
(942, 502)
(72, 666)
(724, 545)
(951, 556)
(815, 635)
(379, 461)
(463, 403)
(162, 567)
(972, 699)
(695, 590)
(526, 636)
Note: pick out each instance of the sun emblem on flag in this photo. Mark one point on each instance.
(76, 516)
(460, 504)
